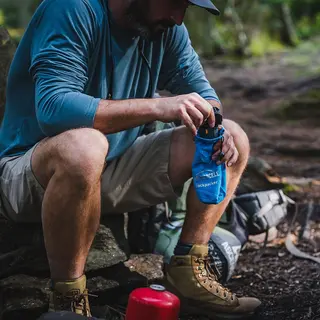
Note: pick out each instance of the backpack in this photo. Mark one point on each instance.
(255, 213)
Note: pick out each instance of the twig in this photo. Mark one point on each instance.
(117, 311)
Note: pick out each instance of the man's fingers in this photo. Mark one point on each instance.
(189, 123)
(228, 151)
(202, 105)
(233, 159)
(211, 119)
(196, 116)
(227, 156)
(215, 155)
(227, 143)
(217, 146)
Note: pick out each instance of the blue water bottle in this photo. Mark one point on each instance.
(209, 179)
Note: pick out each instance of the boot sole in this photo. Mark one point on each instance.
(188, 307)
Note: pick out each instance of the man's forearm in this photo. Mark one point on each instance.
(117, 115)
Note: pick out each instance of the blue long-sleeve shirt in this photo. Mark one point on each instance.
(61, 70)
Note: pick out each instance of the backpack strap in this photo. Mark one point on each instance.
(290, 245)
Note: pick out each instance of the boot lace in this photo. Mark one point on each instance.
(79, 302)
(209, 274)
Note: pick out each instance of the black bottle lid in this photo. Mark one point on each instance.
(205, 131)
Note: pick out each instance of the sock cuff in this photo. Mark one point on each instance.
(182, 249)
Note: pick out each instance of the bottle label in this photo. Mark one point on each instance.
(206, 178)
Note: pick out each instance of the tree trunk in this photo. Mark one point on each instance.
(288, 34)
(243, 41)
(214, 36)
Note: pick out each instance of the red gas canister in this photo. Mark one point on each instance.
(153, 303)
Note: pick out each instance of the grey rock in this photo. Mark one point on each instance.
(22, 248)
(23, 297)
(105, 250)
(148, 265)
(24, 287)
(26, 297)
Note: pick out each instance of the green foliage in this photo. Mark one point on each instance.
(305, 58)
(254, 27)
(245, 27)
(15, 34)
(291, 188)
(1, 17)
(11, 17)
(262, 43)
(307, 26)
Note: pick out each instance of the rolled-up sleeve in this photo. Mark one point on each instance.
(63, 41)
(181, 70)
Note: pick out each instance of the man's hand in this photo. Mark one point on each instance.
(228, 153)
(191, 109)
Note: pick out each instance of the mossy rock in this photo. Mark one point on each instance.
(301, 108)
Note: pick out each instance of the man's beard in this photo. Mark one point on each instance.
(136, 15)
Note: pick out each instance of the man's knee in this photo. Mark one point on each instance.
(181, 156)
(240, 139)
(79, 154)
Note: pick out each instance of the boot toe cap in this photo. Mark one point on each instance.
(248, 304)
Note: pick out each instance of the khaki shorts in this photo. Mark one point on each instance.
(139, 178)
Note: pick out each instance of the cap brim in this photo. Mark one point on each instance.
(207, 4)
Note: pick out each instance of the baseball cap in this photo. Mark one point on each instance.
(207, 4)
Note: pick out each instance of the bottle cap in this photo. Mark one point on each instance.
(157, 287)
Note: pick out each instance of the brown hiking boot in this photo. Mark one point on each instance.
(70, 296)
(192, 279)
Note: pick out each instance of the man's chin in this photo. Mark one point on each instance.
(150, 35)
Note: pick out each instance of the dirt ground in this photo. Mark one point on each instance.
(252, 95)
(289, 288)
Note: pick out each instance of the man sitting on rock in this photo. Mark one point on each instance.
(78, 96)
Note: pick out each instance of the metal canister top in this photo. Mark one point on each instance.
(157, 287)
